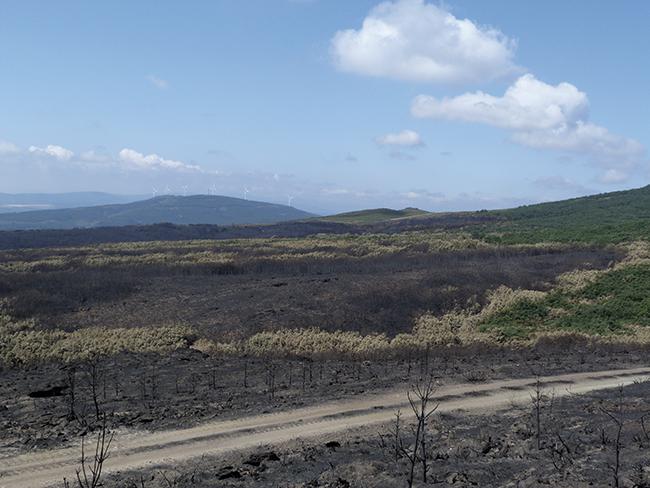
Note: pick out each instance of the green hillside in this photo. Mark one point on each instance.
(606, 218)
(196, 209)
(601, 219)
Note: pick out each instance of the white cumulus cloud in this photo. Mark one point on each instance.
(403, 138)
(541, 116)
(417, 41)
(528, 104)
(57, 152)
(136, 160)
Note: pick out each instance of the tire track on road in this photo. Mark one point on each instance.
(132, 450)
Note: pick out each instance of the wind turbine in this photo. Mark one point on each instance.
(246, 192)
(290, 199)
(184, 187)
(167, 190)
(154, 191)
(213, 190)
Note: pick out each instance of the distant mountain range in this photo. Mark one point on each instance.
(195, 209)
(597, 219)
(21, 202)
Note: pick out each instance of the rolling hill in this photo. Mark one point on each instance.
(604, 218)
(374, 215)
(196, 209)
(609, 207)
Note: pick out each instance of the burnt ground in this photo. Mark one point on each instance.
(21, 239)
(369, 296)
(188, 387)
(577, 448)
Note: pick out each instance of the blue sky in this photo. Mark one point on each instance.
(341, 105)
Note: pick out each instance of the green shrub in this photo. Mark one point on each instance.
(609, 304)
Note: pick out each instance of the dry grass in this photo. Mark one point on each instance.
(21, 344)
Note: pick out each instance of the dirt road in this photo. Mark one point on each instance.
(134, 449)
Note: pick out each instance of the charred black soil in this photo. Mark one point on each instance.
(378, 294)
(577, 443)
(52, 405)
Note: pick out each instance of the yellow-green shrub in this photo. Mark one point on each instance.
(21, 343)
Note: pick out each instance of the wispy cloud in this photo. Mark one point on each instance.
(561, 184)
(613, 176)
(158, 82)
(8, 148)
(401, 156)
(137, 160)
(407, 138)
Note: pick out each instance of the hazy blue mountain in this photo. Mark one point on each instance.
(195, 209)
(22, 202)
